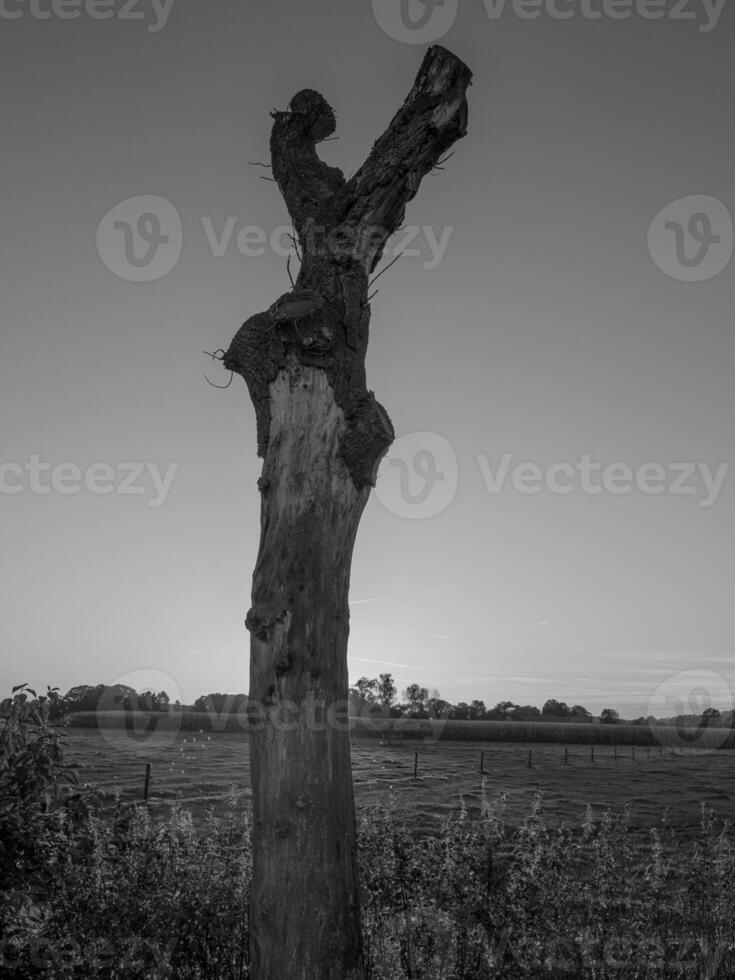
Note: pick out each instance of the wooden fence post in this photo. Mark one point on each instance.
(529, 758)
(147, 783)
(592, 753)
(482, 762)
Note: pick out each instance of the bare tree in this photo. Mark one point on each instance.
(322, 435)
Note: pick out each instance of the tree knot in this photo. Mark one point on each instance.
(260, 621)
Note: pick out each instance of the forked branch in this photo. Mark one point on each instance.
(371, 205)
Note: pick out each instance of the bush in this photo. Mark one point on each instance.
(486, 899)
(34, 782)
(122, 897)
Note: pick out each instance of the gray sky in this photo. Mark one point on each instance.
(541, 322)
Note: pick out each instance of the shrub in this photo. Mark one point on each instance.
(486, 899)
(34, 781)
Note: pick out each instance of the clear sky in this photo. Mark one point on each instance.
(555, 315)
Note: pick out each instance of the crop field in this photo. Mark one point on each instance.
(205, 771)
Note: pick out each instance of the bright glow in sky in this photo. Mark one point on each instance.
(533, 326)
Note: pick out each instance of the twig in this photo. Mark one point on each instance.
(385, 269)
(218, 355)
(232, 375)
(295, 243)
(439, 164)
(288, 269)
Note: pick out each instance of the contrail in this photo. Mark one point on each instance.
(441, 636)
(398, 595)
(387, 663)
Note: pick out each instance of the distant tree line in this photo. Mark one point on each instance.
(370, 694)
(104, 697)
(420, 702)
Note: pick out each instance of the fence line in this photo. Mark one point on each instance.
(565, 759)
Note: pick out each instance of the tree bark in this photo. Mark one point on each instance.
(322, 435)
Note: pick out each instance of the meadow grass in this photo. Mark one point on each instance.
(437, 729)
(128, 896)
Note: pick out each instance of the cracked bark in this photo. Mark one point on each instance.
(322, 435)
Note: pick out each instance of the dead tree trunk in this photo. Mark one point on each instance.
(322, 435)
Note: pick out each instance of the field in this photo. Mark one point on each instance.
(201, 771)
(143, 724)
(621, 890)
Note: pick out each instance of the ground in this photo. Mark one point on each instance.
(198, 769)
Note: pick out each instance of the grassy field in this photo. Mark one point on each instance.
(508, 895)
(198, 770)
(435, 729)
